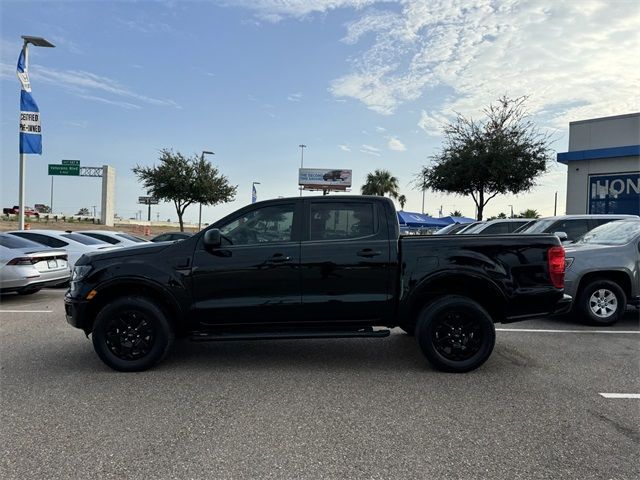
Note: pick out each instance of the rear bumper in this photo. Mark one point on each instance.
(25, 284)
(561, 307)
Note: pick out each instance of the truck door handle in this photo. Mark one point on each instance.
(279, 258)
(368, 253)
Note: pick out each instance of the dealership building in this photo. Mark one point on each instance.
(603, 164)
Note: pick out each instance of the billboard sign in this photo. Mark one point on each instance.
(615, 193)
(71, 162)
(148, 200)
(324, 178)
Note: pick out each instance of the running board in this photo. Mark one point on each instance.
(286, 335)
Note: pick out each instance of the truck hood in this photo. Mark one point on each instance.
(142, 249)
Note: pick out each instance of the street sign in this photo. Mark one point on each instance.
(148, 200)
(55, 169)
(70, 162)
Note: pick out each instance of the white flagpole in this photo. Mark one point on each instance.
(23, 162)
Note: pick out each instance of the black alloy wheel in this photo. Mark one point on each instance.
(455, 333)
(132, 334)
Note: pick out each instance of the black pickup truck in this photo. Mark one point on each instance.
(314, 267)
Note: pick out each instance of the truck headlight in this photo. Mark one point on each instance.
(568, 262)
(80, 272)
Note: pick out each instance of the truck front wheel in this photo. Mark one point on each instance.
(455, 334)
(131, 334)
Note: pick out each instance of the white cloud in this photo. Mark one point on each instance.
(380, 129)
(573, 58)
(275, 10)
(370, 150)
(344, 148)
(396, 144)
(294, 97)
(432, 123)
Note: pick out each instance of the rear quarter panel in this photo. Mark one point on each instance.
(513, 267)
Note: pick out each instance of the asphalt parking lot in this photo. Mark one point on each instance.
(346, 408)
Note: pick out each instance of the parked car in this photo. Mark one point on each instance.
(314, 267)
(496, 227)
(469, 226)
(26, 267)
(171, 236)
(28, 211)
(74, 244)
(574, 226)
(451, 229)
(121, 239)
(603, 272)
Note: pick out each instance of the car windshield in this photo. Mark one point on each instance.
(85, 240)
(612, 233)
(475, 228)
(131, 238)
(11, 241)
(537, 227)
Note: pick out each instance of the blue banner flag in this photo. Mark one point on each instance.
(23, 75)
(30, 131)
(254, 194)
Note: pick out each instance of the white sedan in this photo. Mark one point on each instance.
(75, 245)
(120, 239)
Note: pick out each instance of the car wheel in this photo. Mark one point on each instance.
(29, 291)
(455, 334)
(132, 334)
(601, 302)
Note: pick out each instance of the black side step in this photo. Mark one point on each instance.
(204, 336)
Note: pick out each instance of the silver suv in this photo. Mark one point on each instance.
(574, 226)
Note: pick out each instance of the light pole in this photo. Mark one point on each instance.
(302, 147)
(204, 152)
(254, 198)
(511, 210)
(36, 42)
(423, 201)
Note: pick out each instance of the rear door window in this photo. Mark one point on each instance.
(496, 229)
(573, 228)
(341, 221)
(42, 239)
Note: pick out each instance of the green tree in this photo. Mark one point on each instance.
(402, 200)
(184, 181)
(500, 216)
(456, 213)
(380, 183)
(529, 213)
(84, 212)
(503, 153)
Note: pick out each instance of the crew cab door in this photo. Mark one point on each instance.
(254, 276)
(345, 261)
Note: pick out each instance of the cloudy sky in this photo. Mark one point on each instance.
(364, 84)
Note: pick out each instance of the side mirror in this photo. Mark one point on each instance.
(561, 235)
(212, 238)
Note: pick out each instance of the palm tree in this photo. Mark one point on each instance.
(529, 213)
(402, 200)
(380, 183)
(456, 213)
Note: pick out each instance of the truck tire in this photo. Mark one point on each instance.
(132, 334)
(601, 302)
(455, 334)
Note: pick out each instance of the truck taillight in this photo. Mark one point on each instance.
(555, 258)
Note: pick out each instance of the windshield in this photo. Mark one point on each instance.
(537, 227)
(131, 237)
(474, 228)
(613, 233)
(82, 239)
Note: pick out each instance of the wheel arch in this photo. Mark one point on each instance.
(475, 287)
(124, 287)
(620, 277)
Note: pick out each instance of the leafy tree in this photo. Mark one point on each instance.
(84, 212)
(380, 183)
(529, 213)
(456, 213)
(184, 181)
(500, 216)
(503, 153)
(402, 200)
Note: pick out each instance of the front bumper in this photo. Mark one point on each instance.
(75, 311)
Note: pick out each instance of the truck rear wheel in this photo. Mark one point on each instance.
(132, 334)
(455, 334)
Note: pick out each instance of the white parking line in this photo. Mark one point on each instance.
(26, 311)
(621, 395)
(540, 330)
